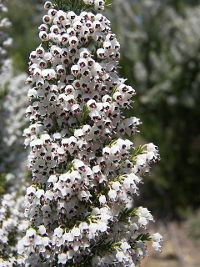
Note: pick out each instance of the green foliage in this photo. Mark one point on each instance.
(127, 213)
(77, 5)
(84, 115)
(2, 183)
(24, 16)
(161, 59)
(108, 3)
(69, 5)
(12, 238)
(3, 93)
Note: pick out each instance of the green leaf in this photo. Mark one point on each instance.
(136, 151)
(2, 183)
(144, 237)
(84, 115)
(108, 2)
(127, 213)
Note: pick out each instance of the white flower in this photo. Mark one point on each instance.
(102, 226)
(157, 239)
(31, 233)
(58, 232)
(120, 256)
(62, 258)
(156, 246)
(102, 199)
(76, 232)
(42, 229)
(68, 237)
(112, 194)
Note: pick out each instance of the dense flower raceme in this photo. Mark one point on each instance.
(13, 167)
(85, 170)
(11, 145)
(5, 42)
(12, 100)
(12, 156)
(12, 225)
(13, 170)
(5, 69)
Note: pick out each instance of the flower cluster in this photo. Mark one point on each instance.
(14, 103)
(5, 40)
(85, 169)
(98, 4)
(12, 165)
(13, 171)
(12, 227)
(5, 71)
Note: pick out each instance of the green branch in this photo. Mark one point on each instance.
(70, 5)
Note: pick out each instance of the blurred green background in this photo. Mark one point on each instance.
(160, 46)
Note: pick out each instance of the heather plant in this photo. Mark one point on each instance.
(5, 73)
(12, 97)
(14, 122)
(5, 42)
(86, 170)
(12, 224)
(12, 103)
(12, 155)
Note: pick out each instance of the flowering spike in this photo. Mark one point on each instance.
(85, 169)
(5, 42)
(12, 166)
